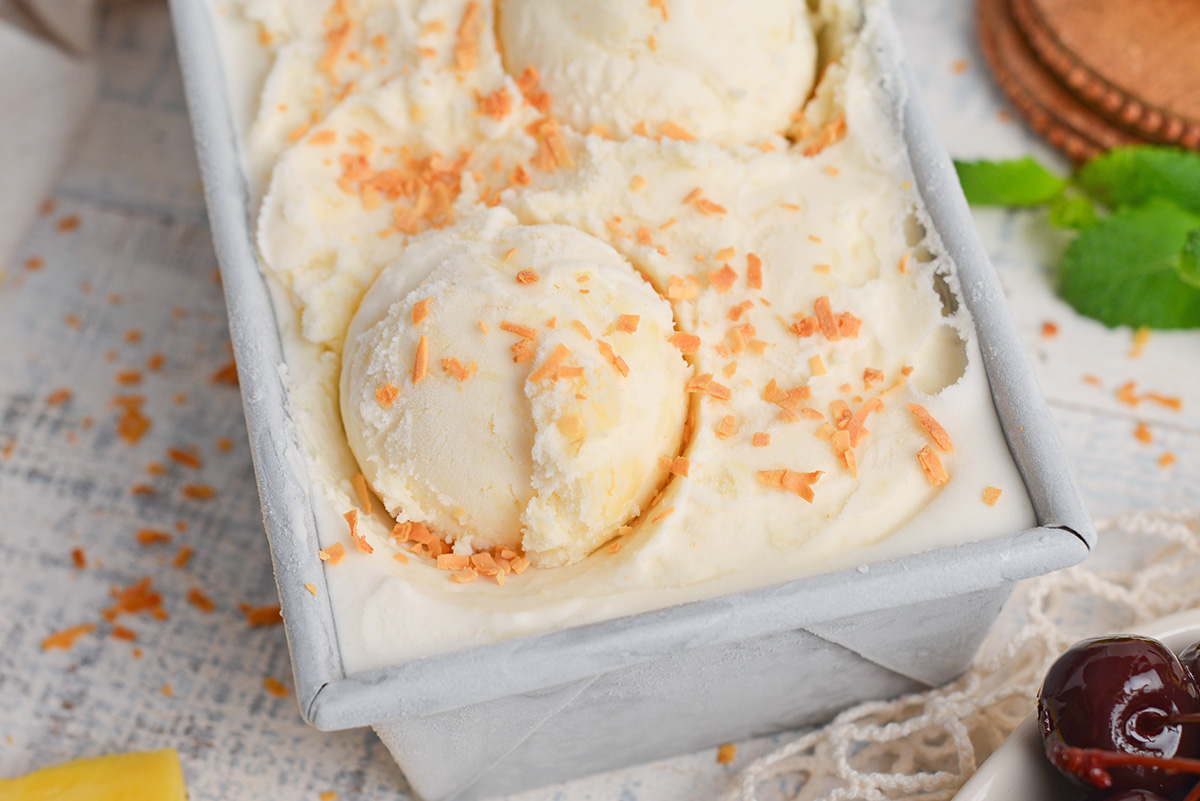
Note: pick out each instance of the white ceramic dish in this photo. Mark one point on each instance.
(1019, 771)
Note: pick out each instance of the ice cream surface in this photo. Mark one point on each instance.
(665, 320)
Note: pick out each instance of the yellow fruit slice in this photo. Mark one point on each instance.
(148, 776)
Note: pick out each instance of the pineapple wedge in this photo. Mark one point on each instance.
(148, 776)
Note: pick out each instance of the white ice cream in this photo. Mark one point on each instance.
(547, 452)
(729, 72)
(798, 324)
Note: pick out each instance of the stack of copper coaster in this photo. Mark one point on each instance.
(1091, 74)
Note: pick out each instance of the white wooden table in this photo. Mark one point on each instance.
(135, 278)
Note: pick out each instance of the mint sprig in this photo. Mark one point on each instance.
(1136, 258)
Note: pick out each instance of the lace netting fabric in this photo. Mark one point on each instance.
(926, 745)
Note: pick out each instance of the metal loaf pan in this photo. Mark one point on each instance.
(545, 708)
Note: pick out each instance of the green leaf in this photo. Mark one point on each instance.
(1189, 259)
(1124, 270)
(1073, 211)
(1127, 176)
(1019, 182)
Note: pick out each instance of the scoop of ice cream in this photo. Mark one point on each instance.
(730, 72)
(514, 386)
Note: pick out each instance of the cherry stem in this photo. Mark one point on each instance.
(1090, 764)
(1181, 717)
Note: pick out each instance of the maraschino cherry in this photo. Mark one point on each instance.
(1119, 713)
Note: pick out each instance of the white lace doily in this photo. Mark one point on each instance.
(926, 745)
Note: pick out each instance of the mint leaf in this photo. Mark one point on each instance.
(1019, 182)
(1127, 176)
(1189, 259)
(1073, 211)
(1124, 270)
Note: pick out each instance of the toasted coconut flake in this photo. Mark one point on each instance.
(421, 362)
(151, 536)
(183, 556)
(59, 397)
(932, 465)
(333, 554)
(466, 47)
(687, 343)
(730, 369)
(497, 105)
(556, 359)
(805, 326)
(840, 412)
(199, 492)
(420, 310)
(124, 633)
(1127, 394)
(672, 131)
(529, 276)
(939, 435)
(186, 458)
(360, 489)
(386, 395)
(678, 466)
(829, 135)
(328, 795)
(825, 318)
(872, 376)
(612, 358)
(761, 439)
(1166, 460)
(1049, 330)
(66, 638)
(261, 615)
(628, 323)
(726, 427)
(817, 365)
(135, 599)
(464, 576)
(198, 599)
(822, 268)
(904, 262)
(455, 368)
(78, 558)
(523, 331)
(636, 183)
(1142, 433)
(722, 280)
(726, 753)
(991, 495)
(582, 329)
(1170, 402)
(528, 82)
(275, 687)
(855, 424)
(360, 541)
(801, 483)
(453, 561)
(664, 514)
